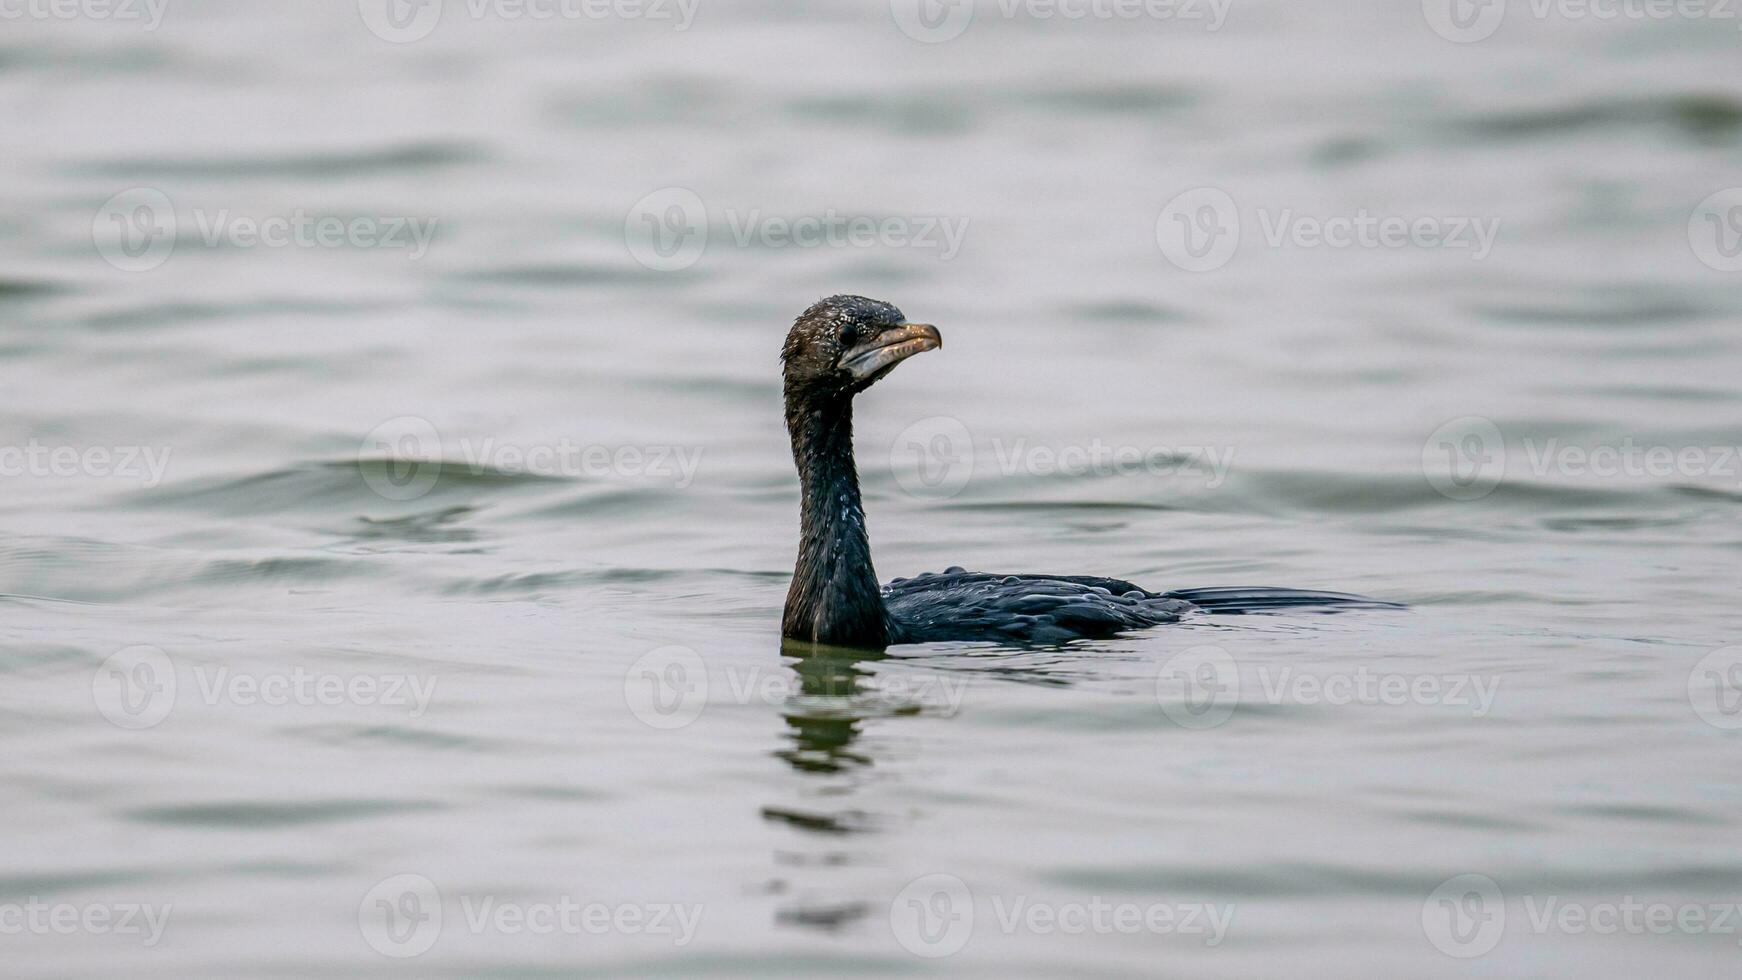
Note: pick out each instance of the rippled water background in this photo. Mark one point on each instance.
(212, 491)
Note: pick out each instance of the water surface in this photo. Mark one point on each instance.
(263, 678)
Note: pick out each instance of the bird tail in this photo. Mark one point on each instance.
(1241, 600)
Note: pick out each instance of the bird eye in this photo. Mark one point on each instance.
(849, 335)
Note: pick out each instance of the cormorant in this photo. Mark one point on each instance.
(838, 348)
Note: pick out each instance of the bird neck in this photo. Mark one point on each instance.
(834, 597)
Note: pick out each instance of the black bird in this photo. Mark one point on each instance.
(838, 348)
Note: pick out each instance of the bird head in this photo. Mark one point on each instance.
(845, 344)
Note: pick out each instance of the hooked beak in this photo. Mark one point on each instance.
(870, 361)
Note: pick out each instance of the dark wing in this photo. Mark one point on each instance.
(965, 606)
(1246, 599)
(976, 606)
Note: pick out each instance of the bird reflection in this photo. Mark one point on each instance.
(835, 692)
(825, 713)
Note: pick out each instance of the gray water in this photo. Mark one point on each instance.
(385, 604)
